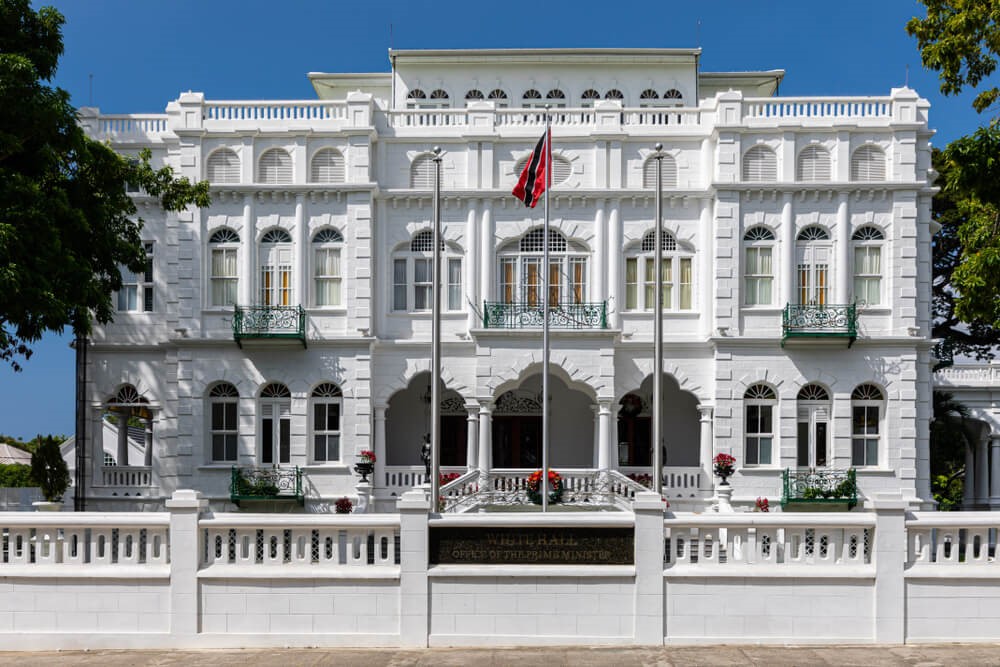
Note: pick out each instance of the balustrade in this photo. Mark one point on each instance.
(563, 315)
(798, 108)
(120, 477)
(269, 322)
(31, 540)
(239, 112)
(952, 538)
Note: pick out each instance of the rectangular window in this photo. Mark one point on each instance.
(421, 284)
(267, 286)
(758, 276)
(328, 277)
(759, 434)
(533, 282)
(631, 283)
(864, 431)
(508, 270)
(578, 279)
(650, 283)
(224, 276)
(326, 432)
(224, 431)
(399, 285)
(684, 285)
(136, 294)
(454, 284)
(868, 275)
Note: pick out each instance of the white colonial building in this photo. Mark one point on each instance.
(289, 323)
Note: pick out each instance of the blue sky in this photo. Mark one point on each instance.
(142, 54)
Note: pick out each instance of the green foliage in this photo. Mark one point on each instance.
(949, 437)
(67, 223)
(260, 486)
(960, 40)
(49, 470)
(15, 476)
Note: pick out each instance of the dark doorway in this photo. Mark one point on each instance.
(517, 441)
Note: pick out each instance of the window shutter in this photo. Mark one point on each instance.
(327, 167)
(275, 167)
(422, 173)
(868, 164)
(814, 164)
(760, 165)
(223, 167)
(669, 173)
(561, 170)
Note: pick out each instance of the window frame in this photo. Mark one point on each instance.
(757, 246)
(751, 153)
(278, 178)
(322, 396)
(139, 285)
(872, 243)
(321, 245)
(411, 259)
(765, 397)
(333, 179)
(644, 261)
(874, 439)
(225, 247)
(571, 260)
(215, 398)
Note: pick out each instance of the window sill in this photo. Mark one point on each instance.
(648, 314)
(875, 310)
(327, 310)
(751, 469)
(426, 314)
(218, 466)
(874, 470)
(326, 467)
(763, 310)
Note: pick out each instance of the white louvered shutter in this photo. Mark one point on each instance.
(760, 165)
(868, 164)
(275, 167)
(327, 167)
(814, 164)
(669, 173)
(422, 173)
(223, 167)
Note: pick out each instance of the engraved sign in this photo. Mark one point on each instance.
(532, 546)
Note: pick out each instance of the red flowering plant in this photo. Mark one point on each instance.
(762, 505)
(448, 477)
(366, 456)
(534, 487)
(724, 466)
(343, 505)
(642, 478)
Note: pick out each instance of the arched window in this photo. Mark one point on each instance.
(413, 280)
(275, 443)
(327, 404)
(223, 407)
(868, 164)
(416, 99)
(556, 98)
(758, 266)
(868, 241)
(136, 294)
(759, 402)
(812, 268)
(562, 169)
(126, 407)
(499, 98)
(223, 166)
(640, 274)
(532, 99)
(673, 95)
(614, 94)
(327, 166)
(648, 98)
(473, 95)
(760, 165)
(867, 408)
(274, 167)
(588, 97)
(669, 173)
(812, 434)
(224, 248)
(439, 94)
(520, 270)
(327, 274)
(422, 172)
(813, 164)
(276, 265)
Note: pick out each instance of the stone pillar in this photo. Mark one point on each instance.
(485, 443)
(616, 300)
(486, 256)
(604, 439)
(889, 558)
(248, 245)
(844, 266)
(982, 472)
(185, 550)
(969, 480)
(649, 589)
(301, 284)
(786, 279)
(472, 263)
(600, 273)
(123, 417)
(706, 445)
(598, 456)
(471, 437)
(379, 482)
(994, 441)
(149, 442)
(413, 589)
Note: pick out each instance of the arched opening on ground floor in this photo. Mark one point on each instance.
(408, 422)
(681, 429)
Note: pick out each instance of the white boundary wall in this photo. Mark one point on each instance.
(188, 578)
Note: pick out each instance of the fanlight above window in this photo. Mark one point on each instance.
(224, 390)
(673, 94)
(416, 94)
(276, 236)
(867, 392)
(758, 233)
(275, 390)
(424, 242)
(813, 233)
(868, 233)
(760, 392)
(813, 392)
(474, 95)
(555, 94)
(224, 235)
(534, 240)
(532, 94)
(328, 235)
(439, 94)
(327, 390)
(497, 94)
(614, 94)
(668, 242)
(649, 94)
(590, 94)
(128, 395)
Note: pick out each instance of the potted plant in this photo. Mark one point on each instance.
(724, 466)
(343, 505)
(366, 464)
(50, 473)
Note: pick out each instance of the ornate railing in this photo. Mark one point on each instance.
(820, 321)
(819, 486)
(266, 484)
(269, 322)
(561, 315)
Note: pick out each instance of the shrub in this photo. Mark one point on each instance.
(15, 475)
(49, 470)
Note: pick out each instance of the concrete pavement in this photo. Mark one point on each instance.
(919, 655)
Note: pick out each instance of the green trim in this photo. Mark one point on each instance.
(818, 488)
(275, 483)
(262, 322)
(814, 321)
(564, 315)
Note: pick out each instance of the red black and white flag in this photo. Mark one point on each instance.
(537, 172)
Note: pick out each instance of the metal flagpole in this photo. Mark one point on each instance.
(436, 339)
(658, 330)
(547, 147)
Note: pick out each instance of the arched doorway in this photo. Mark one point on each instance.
(408, 420)
(681, 428)
(517, 426)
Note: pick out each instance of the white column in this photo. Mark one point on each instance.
(598, 288)
(969, 482)
(123, 417)
(787, 235)
(994, 441)
(378, 478)
(485, 442)
(599, 458)
(471, 437)
(248, 246)
(149, 442)
(413, 509)
(615, 304)
(705, 285)
(982, 472)
(649, 603)
(185, 507)
(706, 445)
(843, 267)
(604, 440)
(472, 263)
(486, 258)
(302, 258)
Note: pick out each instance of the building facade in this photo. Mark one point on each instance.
(288, 325)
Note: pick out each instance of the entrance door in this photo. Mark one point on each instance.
(275, 432)
(517, 441)
(813, 436)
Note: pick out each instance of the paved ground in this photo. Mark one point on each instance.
(964, 655)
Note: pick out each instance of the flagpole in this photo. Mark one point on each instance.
(545, 319)
(436, 339)
(658, 330)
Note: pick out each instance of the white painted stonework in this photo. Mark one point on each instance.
(769, 201)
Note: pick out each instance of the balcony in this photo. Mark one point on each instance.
(811, 321)
(561, 315)
(269, 322)
(266, 484)
(813, 490)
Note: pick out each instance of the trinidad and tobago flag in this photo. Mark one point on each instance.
(535, 177)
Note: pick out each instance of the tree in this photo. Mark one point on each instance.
(66, 222)
(950, 436)
(49, 469)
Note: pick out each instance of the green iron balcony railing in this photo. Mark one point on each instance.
(820, 321)
(819, 487)
(266, 484)
(561, 315)
(269, 322)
